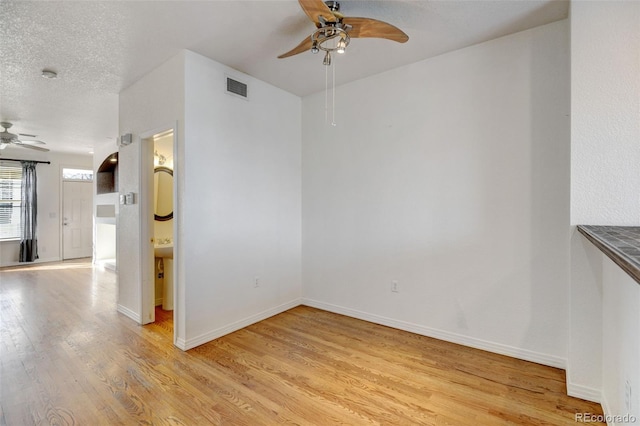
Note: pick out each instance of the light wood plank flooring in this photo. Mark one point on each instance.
(68, 358)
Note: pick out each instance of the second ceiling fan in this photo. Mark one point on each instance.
(7, 139)
(334, 30)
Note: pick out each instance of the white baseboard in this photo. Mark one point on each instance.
(159, 301)
(235, 326)
(181, 344)
(587, 393)
(46, 260)
(524, 354)
(129, 313)
(109, 264)
(606, 408)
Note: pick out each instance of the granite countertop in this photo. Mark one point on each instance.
(620, 243)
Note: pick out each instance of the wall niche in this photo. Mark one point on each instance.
(107, 176)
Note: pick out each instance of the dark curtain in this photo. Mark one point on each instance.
(29, 213)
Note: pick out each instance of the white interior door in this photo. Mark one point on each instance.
(77, 216)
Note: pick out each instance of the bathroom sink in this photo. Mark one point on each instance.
(163, 250)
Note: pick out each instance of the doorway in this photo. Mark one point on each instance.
(159, 227)
(77, 214)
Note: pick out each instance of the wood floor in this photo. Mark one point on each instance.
(68, 358)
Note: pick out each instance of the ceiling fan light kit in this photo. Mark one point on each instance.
(325, 39)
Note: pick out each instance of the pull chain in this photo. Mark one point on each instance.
(333, 96)
(326, 94)
(333, 93)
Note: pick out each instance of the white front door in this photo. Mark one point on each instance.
(77, 219)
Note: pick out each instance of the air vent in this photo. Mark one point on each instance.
(236, 87)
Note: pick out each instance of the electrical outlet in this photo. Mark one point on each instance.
(627, 395)
(256, 282)
(394, 286)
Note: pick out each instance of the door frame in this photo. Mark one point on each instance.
(147, 258)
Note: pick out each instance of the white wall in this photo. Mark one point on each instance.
(605, 153)
(154, 103)
(241, 201)
(450, 176)
(49, 203)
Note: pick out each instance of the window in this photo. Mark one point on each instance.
(10, 197)
(77, 174)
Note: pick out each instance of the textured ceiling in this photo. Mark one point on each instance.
(99, 48)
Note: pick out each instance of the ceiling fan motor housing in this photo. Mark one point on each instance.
(6, 137)
(334, 6)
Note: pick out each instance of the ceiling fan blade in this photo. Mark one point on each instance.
(31, 142)
(37, 148)
(372, 28)
(304, 46)
(316, 9)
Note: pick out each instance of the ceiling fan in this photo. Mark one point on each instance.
(334, 30)
(7, 139)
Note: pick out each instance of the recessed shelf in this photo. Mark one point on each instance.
(107, 176)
